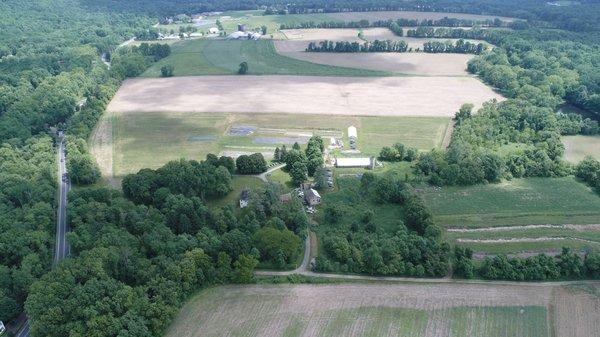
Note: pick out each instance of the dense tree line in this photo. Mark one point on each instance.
(251, 164)
(412, 248)
(48, 64)
(588, 170)
(566, 265)
(302, 164)
(395, 25)
(132, 269)
(356, 47)
(398, 152)
(28, 186)
(205, 180)
(461, 46)
(472, 156)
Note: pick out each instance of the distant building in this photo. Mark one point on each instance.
(243, 36)
(366, 162)
(352, 136)
(81, 104)
(241, 28)
(244, 198)
(285, 198)
(311, 196)
(213, 30)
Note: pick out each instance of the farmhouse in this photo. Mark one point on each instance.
(311, 196)
(213, 30)
(244, 198)
(366, 162)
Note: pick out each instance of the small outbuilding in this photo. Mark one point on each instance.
(352, 136)
(244, 198)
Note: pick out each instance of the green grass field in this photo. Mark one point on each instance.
(515, 202)
(223, 57)
(534, 201)
(578, 147)
(152, 139)
(293, 311)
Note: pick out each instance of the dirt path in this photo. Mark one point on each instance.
(101, 145)
(590, 227)
(448, 134)
(263, 176)
(521, 240)
(305, 271)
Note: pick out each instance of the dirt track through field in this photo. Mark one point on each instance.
(358, 96)
(590, 227)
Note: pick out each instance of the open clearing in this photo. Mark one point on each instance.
(578, 147)
(424, 310)
(223, 57)
(151, 139)
(387, 15)
(359, 96)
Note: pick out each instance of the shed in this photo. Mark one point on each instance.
(244, 198)
(352, 132)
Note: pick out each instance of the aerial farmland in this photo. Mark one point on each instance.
(235, 98)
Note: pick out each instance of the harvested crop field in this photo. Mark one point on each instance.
(578, 147)
(338, 34)
(421, 64)
(387, 15)
(458, 310)
(351, 34)
(360, 96)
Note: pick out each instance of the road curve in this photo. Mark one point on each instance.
(304, 270)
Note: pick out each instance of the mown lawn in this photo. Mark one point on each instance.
(223, 57)
(515, 202)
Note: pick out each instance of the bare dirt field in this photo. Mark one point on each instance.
(356, 309)
(386, 15)
(403, 63)
(294, 36)
(338, 34)
(357, 96)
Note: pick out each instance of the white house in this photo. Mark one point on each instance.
(213, 30)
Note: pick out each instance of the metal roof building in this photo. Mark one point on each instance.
(368, 162)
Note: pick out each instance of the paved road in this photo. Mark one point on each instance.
(62, 248)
